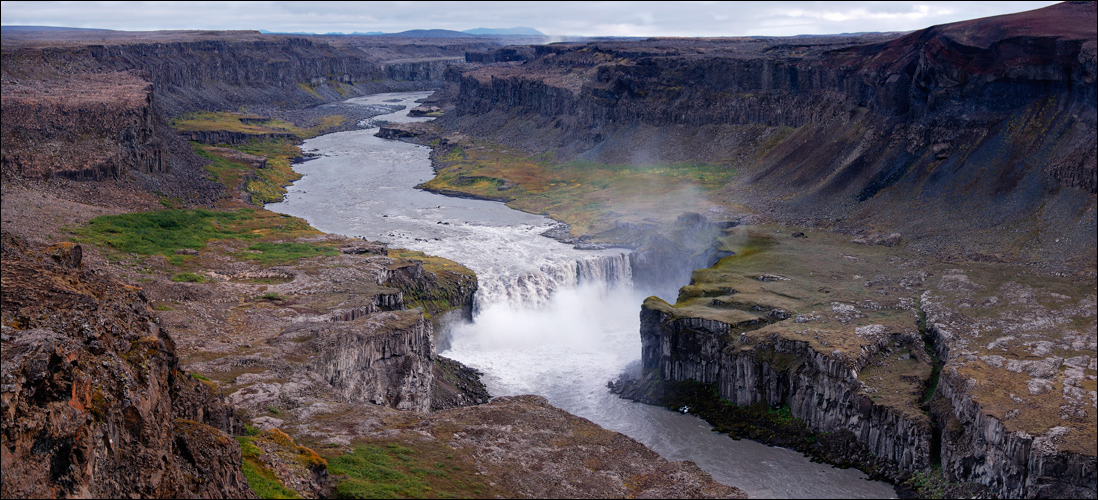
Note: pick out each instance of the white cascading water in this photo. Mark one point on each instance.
(534, 289)
(549, 319)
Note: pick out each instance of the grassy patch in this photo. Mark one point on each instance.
(235, 122)
(166, 231)
(263, 185)
(589, 196)
(247, 123)
(189, 278)
(262, 480)
(162, 232)
(286, 252)
(404, 470)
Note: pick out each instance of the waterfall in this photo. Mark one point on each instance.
(534, 289)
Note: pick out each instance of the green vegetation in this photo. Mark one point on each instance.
(234, 122)
(162, 232)
(189, 278)
(448, 284)
(392, 470)
(285, 253)
(589, 196)
(166, 231)
(271, 296)
(252, 124)
(262, 480)
(934, 484)
(263, 185)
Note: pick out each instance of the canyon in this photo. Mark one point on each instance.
(891, 237)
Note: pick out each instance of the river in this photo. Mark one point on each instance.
(550, 320)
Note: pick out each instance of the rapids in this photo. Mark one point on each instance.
(550, 320)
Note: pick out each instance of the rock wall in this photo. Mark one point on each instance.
(229, 137)
(821, 389)
(419, 70)
(94, 401)
(976, 446)
(108, 119)
(225, 73)
(390, 366)
(842, 130)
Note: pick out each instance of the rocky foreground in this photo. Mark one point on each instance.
(95, 402)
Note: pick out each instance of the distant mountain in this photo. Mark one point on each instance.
(505, 31)
(430, 34)
(427, 33)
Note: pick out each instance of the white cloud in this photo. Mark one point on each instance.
(556, 18)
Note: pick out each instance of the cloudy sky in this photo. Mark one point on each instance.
(552, 18)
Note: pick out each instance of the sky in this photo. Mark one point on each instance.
(552, 18)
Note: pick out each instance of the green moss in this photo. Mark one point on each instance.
(372, 472)
(262, 480)
(264, 185)
(99, 405)
(162, 232)
(166, 231)
(405, 470)
(286, 252)
(189, 278)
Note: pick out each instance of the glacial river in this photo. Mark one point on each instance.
(550, 320)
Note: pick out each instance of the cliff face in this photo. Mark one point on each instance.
(1013, 408)
(225, 73)
(995, 117)
(88, 128)
(988, 443)
(393, 367)
(821, 389)
(94, 401)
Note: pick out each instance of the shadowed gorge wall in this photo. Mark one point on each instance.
(995, 115)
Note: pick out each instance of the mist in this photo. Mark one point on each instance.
(574, 343)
